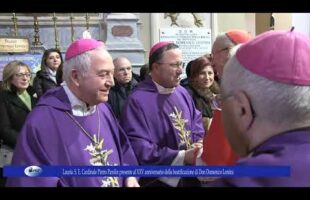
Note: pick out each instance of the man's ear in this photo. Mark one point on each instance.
(244, 110)
(75, 77)
(156, 66)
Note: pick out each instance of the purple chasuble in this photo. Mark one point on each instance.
(147, 121)
(50, 137)
(287, 149)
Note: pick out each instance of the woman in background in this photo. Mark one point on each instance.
(17, 99)
(203, 88)
(47, 77)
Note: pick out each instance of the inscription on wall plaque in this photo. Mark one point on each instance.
(122, 31)
(14, 44)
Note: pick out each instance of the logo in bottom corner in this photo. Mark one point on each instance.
(33, 171)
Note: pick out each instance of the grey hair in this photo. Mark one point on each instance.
(81, 62)
(224, 41)
(272, 101)
(233, 50)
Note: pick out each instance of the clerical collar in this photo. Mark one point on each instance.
(162, 90)
(79, 108)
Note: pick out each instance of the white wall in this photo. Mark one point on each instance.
(243, 21)
(301, 22)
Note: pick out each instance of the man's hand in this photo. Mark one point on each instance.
(191, 154)
(198, 144)
(131, 182)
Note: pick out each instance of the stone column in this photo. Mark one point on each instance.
(155, 26)
(214, 26)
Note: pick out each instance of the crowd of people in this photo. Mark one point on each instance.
(246, 103)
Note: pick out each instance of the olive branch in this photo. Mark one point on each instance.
(179, 124)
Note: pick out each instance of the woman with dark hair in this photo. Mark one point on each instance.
(202, 87)
(17, 99)
(51, 71)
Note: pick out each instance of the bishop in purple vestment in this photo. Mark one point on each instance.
(266, 108)
(73, 126)
(159, 117)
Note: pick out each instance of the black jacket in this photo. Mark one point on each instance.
(13, 115)
(42, 82)
(118, 96)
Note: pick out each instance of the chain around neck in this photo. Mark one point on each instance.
(93, 139)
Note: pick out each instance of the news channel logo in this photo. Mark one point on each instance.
(33, 171)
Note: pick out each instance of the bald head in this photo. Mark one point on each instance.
(123, 70)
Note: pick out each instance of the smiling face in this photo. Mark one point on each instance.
(167, 71)
(94, 86)
(21, 78)
(205, 77)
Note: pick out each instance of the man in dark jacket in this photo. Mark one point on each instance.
(124, 84)
(184, 82)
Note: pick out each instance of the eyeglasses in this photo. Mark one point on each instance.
(174, 65)
(19, 75)
(219, 51)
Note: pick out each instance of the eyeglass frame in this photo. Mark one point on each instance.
(219, 51)
(20, 75)
(174, 65)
